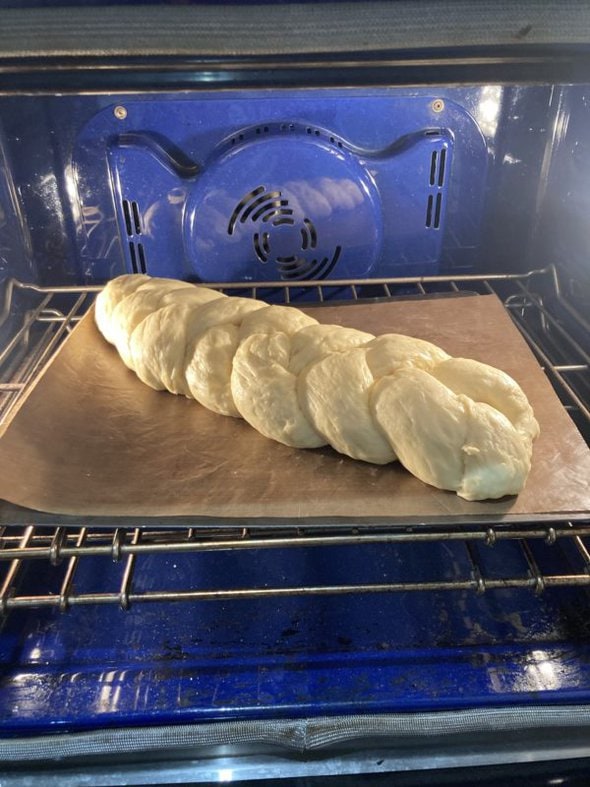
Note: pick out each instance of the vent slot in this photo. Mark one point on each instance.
(136, 217)
(133, 228)
(433, 210)
(441, 167)
(261, 246)
(429, 210)
(315, 269)
(133, 255)
(127, 217)
(433, 159)
(309, 235)
(262, 206)
(141, 255)
(271, 198)
(240, 207)
(256, 203)
(436, 223)
(279, 208)
(256, 132)
(137, 257)
(436, 181)
(132, 217)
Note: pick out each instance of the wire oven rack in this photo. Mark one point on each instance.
(37, 319)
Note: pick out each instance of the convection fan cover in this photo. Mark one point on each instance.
(273, 206)
(283, 187)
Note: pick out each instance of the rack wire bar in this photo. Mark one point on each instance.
(68, 580)
(40, 318)
(19, 336)
(554, 372)
(66, 552)
(538, 302)
(476, 584)
(557, 289)
(42, 542)
(422, 284)
(391, 281)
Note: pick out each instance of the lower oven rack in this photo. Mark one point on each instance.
(65, 551)
(35, 321)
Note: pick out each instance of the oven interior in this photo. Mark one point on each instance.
(322, 195)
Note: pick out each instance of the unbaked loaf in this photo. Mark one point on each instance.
(455, 423)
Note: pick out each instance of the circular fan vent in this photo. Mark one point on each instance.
(286, 248)
(283, 206)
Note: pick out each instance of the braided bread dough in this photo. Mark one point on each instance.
(455, 423)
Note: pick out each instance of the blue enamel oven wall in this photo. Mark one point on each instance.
(253, 185)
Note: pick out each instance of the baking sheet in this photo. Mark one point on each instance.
(91, 440)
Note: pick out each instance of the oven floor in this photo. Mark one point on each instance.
(97, 665)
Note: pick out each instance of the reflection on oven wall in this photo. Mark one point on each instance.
(15, 241)
(306, 185)
(563, 202)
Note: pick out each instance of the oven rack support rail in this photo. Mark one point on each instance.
(35, 320)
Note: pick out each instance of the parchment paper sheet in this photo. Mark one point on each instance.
(91, 440)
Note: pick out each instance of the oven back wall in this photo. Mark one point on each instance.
(256, 185)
